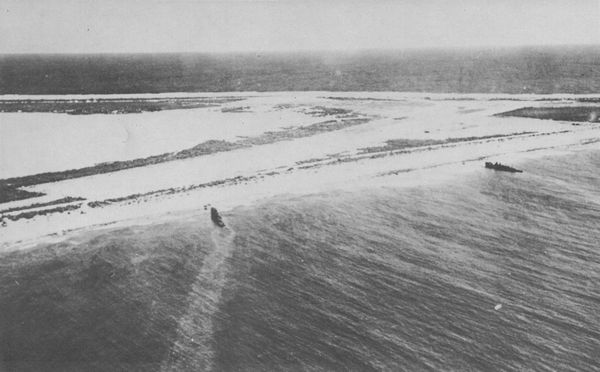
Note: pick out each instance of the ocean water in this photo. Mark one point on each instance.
(393, 279)
(548, 69)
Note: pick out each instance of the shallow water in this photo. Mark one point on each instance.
(377, 279)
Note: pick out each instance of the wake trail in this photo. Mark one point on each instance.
(192, 349)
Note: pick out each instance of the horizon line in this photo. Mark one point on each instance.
(311, 51)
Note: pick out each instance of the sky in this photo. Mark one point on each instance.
(154, 26)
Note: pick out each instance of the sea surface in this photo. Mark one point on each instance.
(548, 69)
(491, 272)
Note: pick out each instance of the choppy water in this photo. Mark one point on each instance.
(388, 279)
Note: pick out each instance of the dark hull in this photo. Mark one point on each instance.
(502, 167)
(216, 217)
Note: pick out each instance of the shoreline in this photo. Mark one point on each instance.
(187, 208)
(330, 144)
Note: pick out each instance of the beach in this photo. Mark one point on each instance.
(136, 168)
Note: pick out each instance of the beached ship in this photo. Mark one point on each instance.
(216, 217)
(501, 167)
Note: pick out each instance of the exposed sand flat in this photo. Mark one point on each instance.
(101, 138)
(314, 162)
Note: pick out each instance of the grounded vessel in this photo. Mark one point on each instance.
(501, 167)
(216, 217)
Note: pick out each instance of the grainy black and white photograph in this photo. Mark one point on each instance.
(278, 185)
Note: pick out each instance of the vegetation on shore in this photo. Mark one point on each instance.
(404, 143)
(565, 113)
(10, 193)
(341, 118)
(68, 199)
(111, 105)
(40, 212)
